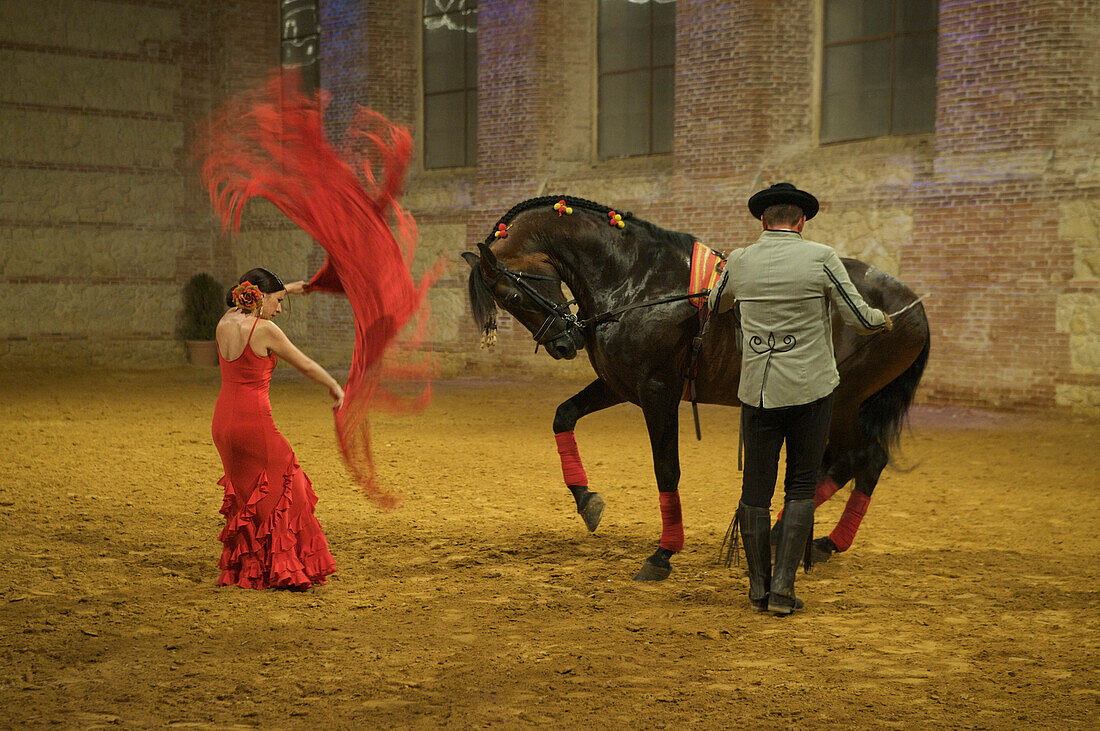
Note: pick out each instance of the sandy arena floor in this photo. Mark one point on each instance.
(969, 600)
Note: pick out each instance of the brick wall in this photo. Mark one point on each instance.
(997, 213)
(995, 225)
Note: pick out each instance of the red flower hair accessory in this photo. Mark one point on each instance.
(247, 296)
(562, 207)
(501, 232)
(615, 219)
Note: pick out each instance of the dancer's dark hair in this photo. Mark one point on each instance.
(267, 281)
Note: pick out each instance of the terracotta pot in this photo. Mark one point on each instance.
(202, 352)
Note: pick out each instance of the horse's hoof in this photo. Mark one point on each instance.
(822, 549)
(652, 572)
(592, 511)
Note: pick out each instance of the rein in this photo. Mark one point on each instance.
(552, 309)
(571, 321)
(614, 314)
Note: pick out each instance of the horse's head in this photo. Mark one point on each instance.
(529, 288)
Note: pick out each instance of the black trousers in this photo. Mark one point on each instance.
(805, 429)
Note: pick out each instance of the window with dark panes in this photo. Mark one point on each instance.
(450, 83)
(879, 70)
(637, 53)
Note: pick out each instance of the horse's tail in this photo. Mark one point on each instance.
(882, 414)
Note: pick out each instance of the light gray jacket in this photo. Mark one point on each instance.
(783, 286)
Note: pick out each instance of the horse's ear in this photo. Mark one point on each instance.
(488, 258)
(471, 259)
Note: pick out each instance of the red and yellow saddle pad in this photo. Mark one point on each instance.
(706, 267)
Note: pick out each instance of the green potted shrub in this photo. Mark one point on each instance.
(203, 307)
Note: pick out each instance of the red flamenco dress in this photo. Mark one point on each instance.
(271, 538)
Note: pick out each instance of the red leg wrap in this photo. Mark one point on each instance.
(672, 522)
(571, 468)
(846, 527)
(826, 488)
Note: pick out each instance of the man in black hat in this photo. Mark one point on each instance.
(782, 285)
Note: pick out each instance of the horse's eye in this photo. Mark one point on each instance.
(513, 298)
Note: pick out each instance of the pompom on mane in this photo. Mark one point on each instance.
(550, 200)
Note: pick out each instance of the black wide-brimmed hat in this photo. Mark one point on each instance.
(782, 193)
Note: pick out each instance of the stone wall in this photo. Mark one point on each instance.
(101, 219)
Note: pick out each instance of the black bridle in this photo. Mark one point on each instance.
(554, 311)
(572, 326)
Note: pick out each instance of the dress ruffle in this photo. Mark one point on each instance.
(285, 550)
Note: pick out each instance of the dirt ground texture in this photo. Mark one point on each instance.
(970, 598)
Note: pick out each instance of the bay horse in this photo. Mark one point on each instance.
(612, 262)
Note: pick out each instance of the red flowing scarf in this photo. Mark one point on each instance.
(270, 142)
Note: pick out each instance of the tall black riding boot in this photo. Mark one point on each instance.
(755, 531)
(798, 523)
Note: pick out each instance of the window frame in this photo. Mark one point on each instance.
(465, 89)
(892, 36)
(651, 69)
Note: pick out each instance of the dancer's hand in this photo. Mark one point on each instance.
(338, 395)
(889, 323)
(298, 287)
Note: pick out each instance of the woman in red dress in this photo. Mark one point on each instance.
(271, 537)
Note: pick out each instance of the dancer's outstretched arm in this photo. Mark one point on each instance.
(273, 338)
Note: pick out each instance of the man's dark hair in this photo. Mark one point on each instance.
(783, 214)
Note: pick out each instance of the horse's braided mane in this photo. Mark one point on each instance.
(549, 200)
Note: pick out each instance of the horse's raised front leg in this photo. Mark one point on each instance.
(593, 397)
(660, 403)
